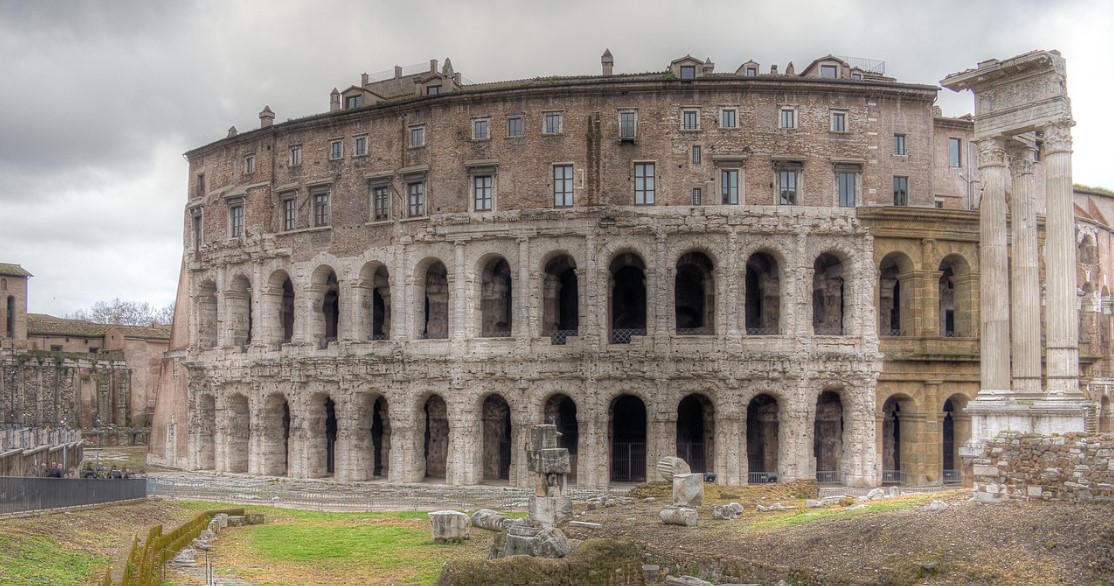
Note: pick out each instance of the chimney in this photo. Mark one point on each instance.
(789, 69)
(266, 117)
(607, 61)
(363, 79)
(773, 70)
(232, 131)
(398, 71)
(334, 100)
(433, 66)
(709, 67)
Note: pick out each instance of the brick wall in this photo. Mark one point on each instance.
(1071, 466)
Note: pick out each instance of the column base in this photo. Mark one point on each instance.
(989, 417)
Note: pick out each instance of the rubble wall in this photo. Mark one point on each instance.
(1024, 466)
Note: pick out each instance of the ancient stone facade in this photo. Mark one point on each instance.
(743, 269)
(1021, 466)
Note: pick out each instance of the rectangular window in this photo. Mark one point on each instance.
(644, 184)
(416, 196)
(433, 90)
(553, 123)
(787, 187)
(321, 209)
(899, 144)
(627, 125)
(729, 186)
(417, 136)
(846, 181)
(516, 127)
(54, 348)
(381, 197)
(295, 155)
(360, 146)
(939, 204)
(481, 193)
(829, 71)
(752, 72)
(697, 196)
(249, 164)
(289, 213)
(688, 72)
(856, 76)
(481, 129)
(901, 191)
(839, 121)
(353, 102)
(788, 118)
(236, 220)
(696, 154)
(562, 186)
(690, 120)
(197, 232)
(954, 152)
(727, 118)
(336, 150)
(200, 187)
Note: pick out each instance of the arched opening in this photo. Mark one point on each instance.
(763, 295)
(374, 290)
(895, 295)
(278, 309)
(238, 298)
(696, 432)
(893, 450)
(207, 315)
(496, 438)
(695, 295)
(560, 410)
(238, 435)
(955, 430)
(330, 437)
(206, 432)
(827, 438)
(436, 444)
(326, 290)
(1088, 250)
(1088, 317)
(433, 299)
(628, 439)
(321, 428)
(1106, 415)
(495, 299)
(827, 296)
(955, 297)
(628, 298)
(276, 438)
(560, 299)
(380, 439)
(763, 439)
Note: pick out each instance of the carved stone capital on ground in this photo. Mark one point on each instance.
(992, 152)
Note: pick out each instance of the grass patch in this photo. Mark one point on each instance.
(41, 560)
(781, 520)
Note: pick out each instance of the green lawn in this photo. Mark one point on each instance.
(41, 560)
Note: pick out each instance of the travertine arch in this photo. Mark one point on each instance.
(896, 294)
(238, 315)
(373, 299)
(279, 307)
(432, 278)
(631, 464)
(552, 297)
(276, 420)
(826, 318)
(234, 431)
(964, 291)
(207, 313)
(206, 426)
(324, 304)
(365, 435)
(763, 322)
(696, 262)
(497, 433)
(494, 296)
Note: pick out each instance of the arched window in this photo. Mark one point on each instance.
(827, 296)
(895, 295)
(763, 295)
(628, 298)
(560, 299)
(433, 302)
(496, 307)
(695, 295)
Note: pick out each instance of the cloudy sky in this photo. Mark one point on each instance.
(98, 100)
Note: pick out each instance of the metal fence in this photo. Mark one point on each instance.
(628, 462)
(28, 438)
(693, 454)
(828, 477)
(623, 336)
(953, 477)
(761, 477)
(19, 494)
(893, 477)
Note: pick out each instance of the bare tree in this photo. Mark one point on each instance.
(130, 313)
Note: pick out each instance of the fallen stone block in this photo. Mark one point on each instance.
(488, 519)
(876, 494)
(670, 466)
(809, 503)
(724, 512)
(934, 506)
(682, 516)
(688, 490)
(686, 581)
(585, 524)
(449, 526)
(773, 507)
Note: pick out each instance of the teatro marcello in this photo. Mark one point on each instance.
(773, 273)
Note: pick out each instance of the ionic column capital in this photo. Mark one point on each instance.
(992, 152)
(1057, 138)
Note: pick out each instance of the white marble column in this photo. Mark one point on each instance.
(1062, 315)
(1025, 311)
(994, 294)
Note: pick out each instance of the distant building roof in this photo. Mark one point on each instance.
(13, 270)
(39, 324)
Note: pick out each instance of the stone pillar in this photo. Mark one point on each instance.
(994, 297)
(731, 288)
(407, 435)
(1062, 315)
(522, 323)
(457, 282)
(1025, 292)
(730, 456)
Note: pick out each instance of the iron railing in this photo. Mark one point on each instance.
(623, 336)
(893, 332)
(380, 337)
(953, 477)
(693, 454)
(695, 332)
(762, 331)
(893, 477)
(761, 477)
(496, 334)
(628, 462)
(27, 438)
(18, 494)
(828, 477)
(950, 334)
(559, 337)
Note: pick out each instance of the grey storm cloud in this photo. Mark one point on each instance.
(100, 99)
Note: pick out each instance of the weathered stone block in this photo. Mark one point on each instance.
(670, 466)
(550, 510)
(1034, 491)
(488, 519)
(682, 516)
(543, 437)
(688, 489)
(449, 526)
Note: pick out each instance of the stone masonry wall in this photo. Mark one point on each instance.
(1024, 466)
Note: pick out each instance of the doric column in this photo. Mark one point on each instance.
(459, 326)
(1025, 311)
(994, 295)
(1061, 323)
